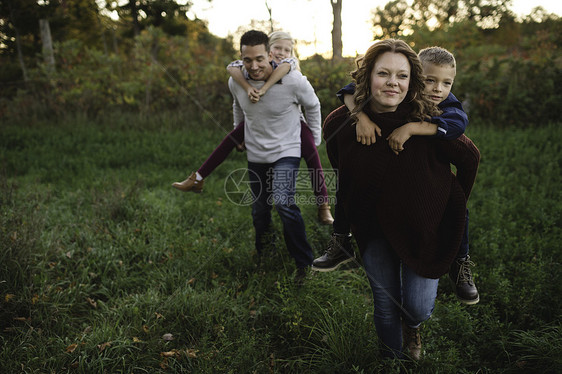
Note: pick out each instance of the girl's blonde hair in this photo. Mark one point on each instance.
(421, 107)
(282, 35)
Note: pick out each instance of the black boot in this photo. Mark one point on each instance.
(461, 276)
(339, 252)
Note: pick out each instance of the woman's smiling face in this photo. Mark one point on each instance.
(390, 80)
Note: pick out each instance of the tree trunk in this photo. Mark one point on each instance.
(48, 53)
(270, 16)
(18, 45)
(135, 15)
(337, 44)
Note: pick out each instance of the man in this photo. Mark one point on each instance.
(272, 136)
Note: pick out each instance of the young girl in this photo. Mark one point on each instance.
(281, 53)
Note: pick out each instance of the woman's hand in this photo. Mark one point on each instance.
(366, 130)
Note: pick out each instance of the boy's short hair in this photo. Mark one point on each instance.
(437, 56)
(254, 37)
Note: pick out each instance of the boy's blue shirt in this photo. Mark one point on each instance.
(450, 124)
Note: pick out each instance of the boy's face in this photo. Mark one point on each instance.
(438, 81)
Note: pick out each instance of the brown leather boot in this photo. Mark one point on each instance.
(324, 214)
(190, 184)
(411, 341)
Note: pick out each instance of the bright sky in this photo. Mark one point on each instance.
(310, 21)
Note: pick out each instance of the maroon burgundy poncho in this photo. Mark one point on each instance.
(413, 199)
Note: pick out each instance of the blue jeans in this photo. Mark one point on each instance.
(398, 293)
(274, 184)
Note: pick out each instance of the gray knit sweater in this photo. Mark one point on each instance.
(272, 125)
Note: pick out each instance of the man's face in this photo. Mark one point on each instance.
(256, 62)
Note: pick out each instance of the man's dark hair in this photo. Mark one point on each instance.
(254, 37)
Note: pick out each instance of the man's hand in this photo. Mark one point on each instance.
(366, 130)
(398, 137)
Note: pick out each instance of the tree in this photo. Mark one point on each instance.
(269, 10)
(390, 20)
(337, 45)
(398, 18)
(169, 15)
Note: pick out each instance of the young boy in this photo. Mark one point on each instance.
(440, 70)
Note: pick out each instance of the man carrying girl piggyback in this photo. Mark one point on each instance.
(283, 61)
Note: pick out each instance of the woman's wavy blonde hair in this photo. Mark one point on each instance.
(422, 108)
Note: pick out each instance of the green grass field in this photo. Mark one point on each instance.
(105, 268)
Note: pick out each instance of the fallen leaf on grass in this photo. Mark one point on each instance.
(136, 340)
(71, 348)
(189, 352)
(191, 281)
(168, 337)
(145, 328)
(8, 297)
(92, 302)
(34, 299)
(172, 353)
(158, 315)
(103, 346)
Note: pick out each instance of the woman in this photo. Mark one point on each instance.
(406, 211)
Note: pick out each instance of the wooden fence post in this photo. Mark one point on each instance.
(48, 53)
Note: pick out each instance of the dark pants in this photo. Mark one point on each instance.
(274, 184)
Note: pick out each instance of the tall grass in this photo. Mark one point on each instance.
(105, 268)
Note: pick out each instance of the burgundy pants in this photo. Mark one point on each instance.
(308, 152)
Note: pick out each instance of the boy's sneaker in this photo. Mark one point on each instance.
(461, 276)
(339, 252)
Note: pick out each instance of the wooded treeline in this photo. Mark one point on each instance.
(152, 57)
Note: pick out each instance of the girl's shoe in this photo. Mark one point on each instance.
(324, 214)
(190, 184)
